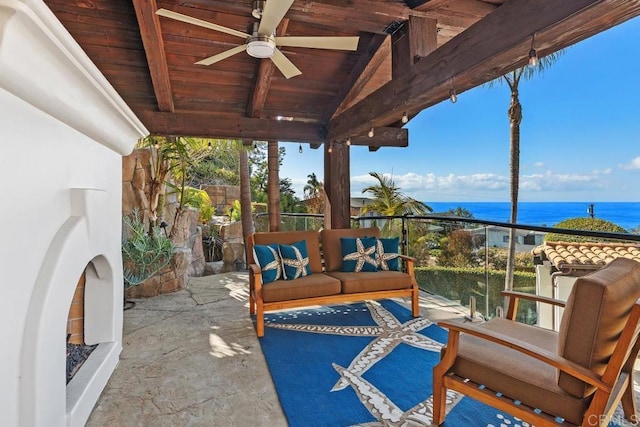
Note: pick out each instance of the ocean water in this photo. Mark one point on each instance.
(624, 214)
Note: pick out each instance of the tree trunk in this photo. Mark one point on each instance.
(245, 195)
(273, 186)
(515, 118)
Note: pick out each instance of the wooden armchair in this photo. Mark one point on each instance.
(579, 373)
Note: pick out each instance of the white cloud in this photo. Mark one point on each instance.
(483, 185)
(634, 164)
(538, 164)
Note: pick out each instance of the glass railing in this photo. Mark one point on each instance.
(465, 259)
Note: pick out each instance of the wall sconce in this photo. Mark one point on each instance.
(300, 148)
(371, 132)
(329, 148)
(348, 141)
(156, 145)
(209, 146)
(533, 55)
(405, 118)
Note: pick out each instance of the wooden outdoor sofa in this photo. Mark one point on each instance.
(327, 283)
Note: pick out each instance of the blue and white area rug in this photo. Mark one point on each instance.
(366, 364)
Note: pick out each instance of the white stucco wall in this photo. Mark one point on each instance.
(63, 130)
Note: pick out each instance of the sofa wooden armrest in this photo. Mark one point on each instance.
(324, 285)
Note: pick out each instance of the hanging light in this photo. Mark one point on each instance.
(452, 95)
(156, 145)
(405, 118)
(348, 141)
(210, 147)
(371, 132)
(329, 149)
(300, 148)
(533, 55)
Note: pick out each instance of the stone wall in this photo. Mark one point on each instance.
(222, 196)
(188, 259)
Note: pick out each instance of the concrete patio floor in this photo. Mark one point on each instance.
(192, 358)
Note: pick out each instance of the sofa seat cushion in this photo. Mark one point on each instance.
(372, 281)
(314, 285)
(516, 372)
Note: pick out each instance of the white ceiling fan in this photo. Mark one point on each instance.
(263, 43)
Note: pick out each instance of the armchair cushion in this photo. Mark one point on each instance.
(295, 260)
(269, 261)
(358, 254)
(593, 319)
(517, 376)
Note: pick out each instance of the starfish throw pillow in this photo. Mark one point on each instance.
(295, 260)
(387, 254)
(269, 261)
(358, 254)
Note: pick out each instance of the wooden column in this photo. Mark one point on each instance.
(273, 186)
(337, 184)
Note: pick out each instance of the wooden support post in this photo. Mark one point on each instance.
(273, 186)
(337, 184)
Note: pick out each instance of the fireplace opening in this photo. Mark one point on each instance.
(77, 350)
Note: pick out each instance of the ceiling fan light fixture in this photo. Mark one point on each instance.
(261, 46)
(258, 8)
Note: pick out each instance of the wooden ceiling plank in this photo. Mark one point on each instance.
(495, 45)
(224, 126)
(154, 49)
(471, 7)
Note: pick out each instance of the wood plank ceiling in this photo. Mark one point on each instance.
(407, 55)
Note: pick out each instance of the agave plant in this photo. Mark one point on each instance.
(143, 253)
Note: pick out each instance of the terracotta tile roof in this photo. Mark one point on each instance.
(585, 256)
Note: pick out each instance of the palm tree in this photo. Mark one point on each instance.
(389, 201)
(314, 187)
(314, 193)
(512, 79)
(246, 216)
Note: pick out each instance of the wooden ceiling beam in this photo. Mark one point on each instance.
(207, 125)
(495, 45)
(374, 55)
(154, 50)
(263, 80)
(383, 137)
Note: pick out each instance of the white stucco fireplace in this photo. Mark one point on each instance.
(63, 132)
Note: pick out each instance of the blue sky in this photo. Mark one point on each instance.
(580, 135)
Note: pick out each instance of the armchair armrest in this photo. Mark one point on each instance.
(533, 297)
(515, 296)
(543, 355)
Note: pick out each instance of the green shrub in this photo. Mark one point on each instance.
(143, 254)
(590, 224)
(458, 284)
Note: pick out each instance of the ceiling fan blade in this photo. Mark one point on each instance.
(224, 55)
(199, 22)
(285, 66)
(340, 43)
(274, 11)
